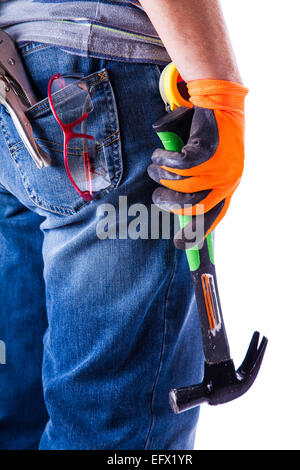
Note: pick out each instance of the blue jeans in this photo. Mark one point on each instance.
(97, 331)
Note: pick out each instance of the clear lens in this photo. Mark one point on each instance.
(86, 164)
(87, 167)
(71, 98)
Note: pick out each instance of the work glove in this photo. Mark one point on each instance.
(208, 170)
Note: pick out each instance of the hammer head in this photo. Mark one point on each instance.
(221, 382)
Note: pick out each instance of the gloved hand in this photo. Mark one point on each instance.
(208, 170)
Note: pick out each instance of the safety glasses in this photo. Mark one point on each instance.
(71, 103)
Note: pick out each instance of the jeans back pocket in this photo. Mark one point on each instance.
(50, 187)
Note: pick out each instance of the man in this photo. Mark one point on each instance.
(112, 319)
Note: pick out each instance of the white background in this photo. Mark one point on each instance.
(257, 244)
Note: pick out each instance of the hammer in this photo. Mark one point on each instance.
(221, 382)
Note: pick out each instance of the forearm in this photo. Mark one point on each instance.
(195, 36)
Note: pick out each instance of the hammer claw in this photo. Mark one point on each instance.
(254, 356)
(221, 382)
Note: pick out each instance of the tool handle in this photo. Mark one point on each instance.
(185, 398)
(173, 130)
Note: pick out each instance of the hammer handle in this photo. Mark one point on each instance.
(173, 131)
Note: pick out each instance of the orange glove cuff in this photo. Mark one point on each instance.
(217, 94)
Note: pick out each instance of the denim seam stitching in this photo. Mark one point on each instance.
(45, 205)
(56, 209)
(42, 204)
(113, 185)
(118, 148)
(106, 138)
(36, 199)
(42, 46)
(117, 157)
(44, 141)
(3, 134)
(16, 150)
(161, 356)
(69, 153)
(28, 189)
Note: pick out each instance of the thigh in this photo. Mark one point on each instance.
(22, 325)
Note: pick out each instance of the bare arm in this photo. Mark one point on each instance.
(195, 36)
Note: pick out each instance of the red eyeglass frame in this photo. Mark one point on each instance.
(69, 134)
